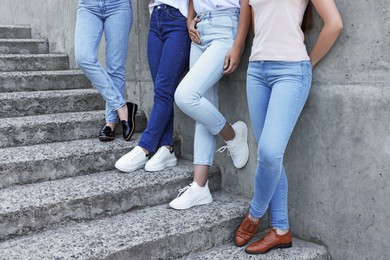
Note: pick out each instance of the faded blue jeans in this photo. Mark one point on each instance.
(276, 92)
(168, 56)
(197, 94)
(114, 18)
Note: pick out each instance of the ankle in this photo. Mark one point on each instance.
(281, 232)
(253, 219)
(145, 151)
(111, 125)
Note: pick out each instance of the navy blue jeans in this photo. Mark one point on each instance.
(168, 56)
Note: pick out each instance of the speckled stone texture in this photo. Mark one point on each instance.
(15, 32)
(301, 250)
(24, 46)
(33, 207)
(31, 62)
(150, 233)
(30, 130)
(42, 80)
(49, 102)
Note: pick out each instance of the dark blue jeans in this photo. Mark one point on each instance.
(168, 56)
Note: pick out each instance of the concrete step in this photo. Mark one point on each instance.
(31, 62)
(36, 163)
(30, 130)
(301, 250)
(24, 46)
(42, 80)
(15, 32)
(30, 208)
(150, 233)
(17, 104)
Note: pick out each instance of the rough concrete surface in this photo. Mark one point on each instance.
(33, 207)
(31, 62)
(49, 102)
(42, 80)
(28, 164)
(28, 130)
(24, 46)
(15, 32)
(148, 233)
(301, 250)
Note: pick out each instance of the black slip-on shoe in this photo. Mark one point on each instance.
(106, 134)
(128, 126)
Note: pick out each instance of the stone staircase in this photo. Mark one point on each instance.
(60, 196)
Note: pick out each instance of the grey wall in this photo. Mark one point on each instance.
(338, 158)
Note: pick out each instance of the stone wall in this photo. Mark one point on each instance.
(337, 161)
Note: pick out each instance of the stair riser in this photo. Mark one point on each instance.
(15, 33)
(28, 82)
(34, 63)
(50, 105)
(179, 245)
(41, 47)
(28, 134)
(35, 219)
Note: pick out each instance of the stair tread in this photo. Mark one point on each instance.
(77, 188)
(46, 94)
(12, 74)
(55, 150)
(76, 117)
(22, 56)
(300, 250)
(102, 238)
(21, 40)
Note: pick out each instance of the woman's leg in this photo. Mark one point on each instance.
(117, 27)
(89, 28)
(290, 83)
(168, 55)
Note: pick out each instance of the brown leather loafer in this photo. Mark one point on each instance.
(270, 241)
(245, 231)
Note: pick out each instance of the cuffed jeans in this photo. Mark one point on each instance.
(277, 92)
(197, 94)
(168, 56)
(114, 17)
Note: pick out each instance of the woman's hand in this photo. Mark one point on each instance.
(232, 60)
(192, 31)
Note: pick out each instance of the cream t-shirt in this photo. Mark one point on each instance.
(182, 5)
(278, 33)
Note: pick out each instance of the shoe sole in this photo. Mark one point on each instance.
(245, 137)
(161, 167)
(106, 139)
(282, 246)
(133, 112)
(197, 204)
(123, 169)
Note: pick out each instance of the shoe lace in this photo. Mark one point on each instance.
(230, 150)
(181, 191)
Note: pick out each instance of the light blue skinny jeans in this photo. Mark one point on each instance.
(114, 18)
(197, 94)
(276, 92)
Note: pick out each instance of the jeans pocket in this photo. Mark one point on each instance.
(175, 14)
(221, 22)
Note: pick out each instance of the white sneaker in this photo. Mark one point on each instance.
(238, 147)
(192, 195)
(134, 160)
(162, 159)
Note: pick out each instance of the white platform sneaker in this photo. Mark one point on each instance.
(133, 160)
(163, 158)
(238, 147)
(192, 195)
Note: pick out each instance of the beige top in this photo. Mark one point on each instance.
(278, 33)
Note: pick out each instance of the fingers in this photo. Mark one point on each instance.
(193, 32)
(230, 65)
